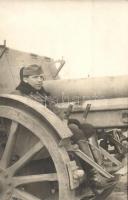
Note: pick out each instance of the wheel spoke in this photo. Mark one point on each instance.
(21, 180)
(22, 195)
(9, 145)
(26, 157)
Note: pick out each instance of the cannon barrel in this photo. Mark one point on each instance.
(88, 88)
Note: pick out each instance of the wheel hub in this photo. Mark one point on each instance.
(6, 185)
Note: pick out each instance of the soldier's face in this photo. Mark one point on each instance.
(36, 81)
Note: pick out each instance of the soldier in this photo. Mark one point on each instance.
(31, 85)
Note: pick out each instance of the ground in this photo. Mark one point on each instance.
(121, 190)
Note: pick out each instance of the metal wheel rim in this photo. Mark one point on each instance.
(60, 154)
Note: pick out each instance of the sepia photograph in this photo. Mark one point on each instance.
(63, 99)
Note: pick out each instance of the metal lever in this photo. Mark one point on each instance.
(68, 111)
(90, 161)
(86, 111)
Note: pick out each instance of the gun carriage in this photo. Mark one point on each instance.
(37, 158)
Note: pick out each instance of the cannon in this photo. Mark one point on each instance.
(37, 158)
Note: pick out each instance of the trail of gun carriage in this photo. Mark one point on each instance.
(77, 151)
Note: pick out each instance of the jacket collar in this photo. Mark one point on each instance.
(27, 89)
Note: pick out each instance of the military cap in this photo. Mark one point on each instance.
(32, 70)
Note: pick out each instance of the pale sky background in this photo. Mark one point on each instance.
(91, 35)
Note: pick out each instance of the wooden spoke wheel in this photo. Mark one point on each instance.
(32, 164)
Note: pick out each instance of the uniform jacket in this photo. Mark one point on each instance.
(41, 96)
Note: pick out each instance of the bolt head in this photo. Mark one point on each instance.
(6, 175)
(9, 184)
(79, 173)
